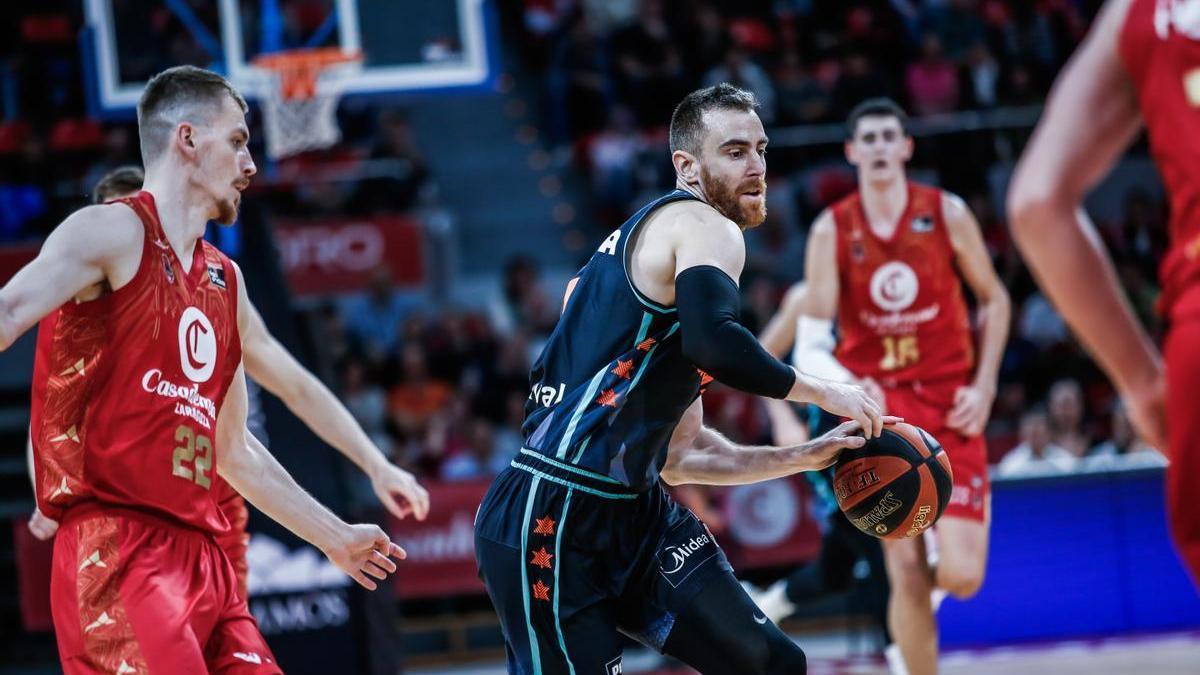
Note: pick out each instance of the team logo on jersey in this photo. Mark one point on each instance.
(1182, 15)
(922, 224)
(894, 286)
(216, 274)
(197, 345)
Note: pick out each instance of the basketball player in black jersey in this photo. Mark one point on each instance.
(578, 540)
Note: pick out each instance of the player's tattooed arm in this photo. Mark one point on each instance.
(1090, 119)
(698, 454)
(271, 365)
(94, 244)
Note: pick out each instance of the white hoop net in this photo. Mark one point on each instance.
(299, 104)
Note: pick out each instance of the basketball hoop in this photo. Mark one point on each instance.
(300, 97)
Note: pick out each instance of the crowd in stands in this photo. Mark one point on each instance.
(442, 389)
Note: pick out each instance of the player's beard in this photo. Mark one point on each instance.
(727, 199)
(227, 212)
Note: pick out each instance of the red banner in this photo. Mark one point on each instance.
(336, 256)
(441, 549)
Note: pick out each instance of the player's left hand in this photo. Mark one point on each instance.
(41, 526)
(972, 405)
(400, 492)
(365, 553)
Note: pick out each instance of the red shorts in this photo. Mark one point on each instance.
(926, 404)
(1183, 436)
(134, 593)
(236, 541)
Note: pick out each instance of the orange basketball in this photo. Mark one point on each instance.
(896, 485)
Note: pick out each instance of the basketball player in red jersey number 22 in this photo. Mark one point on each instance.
(127, 463)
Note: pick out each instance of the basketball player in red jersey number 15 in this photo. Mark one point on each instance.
(127, 462)
(1141, 62)
(890, 261)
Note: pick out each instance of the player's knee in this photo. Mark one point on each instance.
(909, 572)
(961, 582)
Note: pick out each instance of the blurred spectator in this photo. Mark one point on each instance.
(1122, 449)
(705, 40)
(800, 99)
(737, 69)
(1066, 417)
(1040, 323)
(375, 317)
(366, 401)
(650, 68)
(983, 76)
(612, 157)
(579, 81)
(526, 304)
(417, 398)
(1037, 454)
(956, 23)
(472, 461)
(857, 82)
(932, 81)
(404, 169)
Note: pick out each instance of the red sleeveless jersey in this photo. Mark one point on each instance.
(1160, 46)
(126, 388)
(901, 313)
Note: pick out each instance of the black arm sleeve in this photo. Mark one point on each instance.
(713, 339)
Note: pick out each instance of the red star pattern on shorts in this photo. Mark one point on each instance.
(544, 526)
(608, 397)
(645, 345)
(623, 369)
(705, 378)
(541, 591)
(541, 558)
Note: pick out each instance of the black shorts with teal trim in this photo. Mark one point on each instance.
(571, 559)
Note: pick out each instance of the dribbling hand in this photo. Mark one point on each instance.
(822, 451)
(853, 402)
(365, 553)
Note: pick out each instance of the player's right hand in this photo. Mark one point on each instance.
(365, 552)
(853, 402)
(41, 526)
(1147, 409)
(822, 451)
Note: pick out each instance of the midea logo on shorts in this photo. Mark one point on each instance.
(680, 554)
(894, 286)
(197, 345)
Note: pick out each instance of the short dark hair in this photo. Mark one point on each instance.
(687, 123)
(175, 95)
(122, 180)
(876, 107)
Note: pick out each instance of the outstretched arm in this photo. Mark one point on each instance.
(272, 366)
(360, 551)
(1090, 119)
(709, 255)
(94, 244)
(973, 403)
(698, 454)
(780, 332)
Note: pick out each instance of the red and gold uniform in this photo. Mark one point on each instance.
(1160, 47)
(902, 320)
(125, 399)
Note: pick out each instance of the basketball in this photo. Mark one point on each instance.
(896, 485)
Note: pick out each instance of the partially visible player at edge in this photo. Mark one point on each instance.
(1141, 61)
(889, 262)
(578, 540)
(126, 462)
(269, 364)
